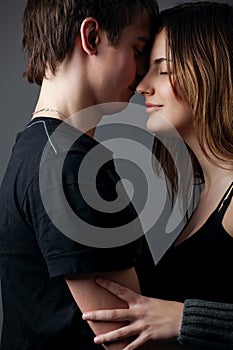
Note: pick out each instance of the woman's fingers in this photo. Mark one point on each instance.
(116, 335)
(120, 291)
(108, 315)
(136, 343)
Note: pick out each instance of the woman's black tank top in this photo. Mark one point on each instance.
(201, 267)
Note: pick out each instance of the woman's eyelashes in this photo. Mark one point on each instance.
(161, 71)
(162, 68)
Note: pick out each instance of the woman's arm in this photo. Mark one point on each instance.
(207, 324)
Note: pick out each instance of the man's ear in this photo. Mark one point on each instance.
(90, 36)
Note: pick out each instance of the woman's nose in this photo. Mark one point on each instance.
(144, 88)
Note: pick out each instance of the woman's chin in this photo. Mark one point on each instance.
(159, 125)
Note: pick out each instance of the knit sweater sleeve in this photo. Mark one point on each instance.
(207, 324)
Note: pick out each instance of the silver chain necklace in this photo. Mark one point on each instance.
(51, 110)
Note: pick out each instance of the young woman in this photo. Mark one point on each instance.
(189, 85)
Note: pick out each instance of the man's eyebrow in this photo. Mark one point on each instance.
(144, 39)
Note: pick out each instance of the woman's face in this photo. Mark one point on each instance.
(166, 110)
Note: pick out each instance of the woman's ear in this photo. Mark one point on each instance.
(90, 36)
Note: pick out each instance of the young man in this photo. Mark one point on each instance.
(83, 53)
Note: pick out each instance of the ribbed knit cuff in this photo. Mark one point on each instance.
(207, 325)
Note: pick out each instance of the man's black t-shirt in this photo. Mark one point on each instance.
(39, 310)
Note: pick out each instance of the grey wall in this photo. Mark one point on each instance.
(17, 96)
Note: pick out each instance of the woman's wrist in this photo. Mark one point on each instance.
(178, 312)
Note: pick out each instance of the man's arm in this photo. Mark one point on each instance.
(89, 296)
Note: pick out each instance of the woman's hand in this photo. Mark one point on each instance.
(148, 318)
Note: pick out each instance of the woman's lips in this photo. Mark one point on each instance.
(152, 107)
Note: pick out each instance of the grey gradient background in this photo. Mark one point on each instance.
(17, 97)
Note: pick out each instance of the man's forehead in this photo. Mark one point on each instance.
(143, 24)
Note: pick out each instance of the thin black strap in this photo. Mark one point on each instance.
(225, 201)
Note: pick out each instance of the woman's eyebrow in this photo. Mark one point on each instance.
(157, 61)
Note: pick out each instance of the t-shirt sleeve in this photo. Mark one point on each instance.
(63, 251)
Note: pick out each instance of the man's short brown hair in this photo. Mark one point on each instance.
(50, 26)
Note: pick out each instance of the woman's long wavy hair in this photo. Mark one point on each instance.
(200, 45)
